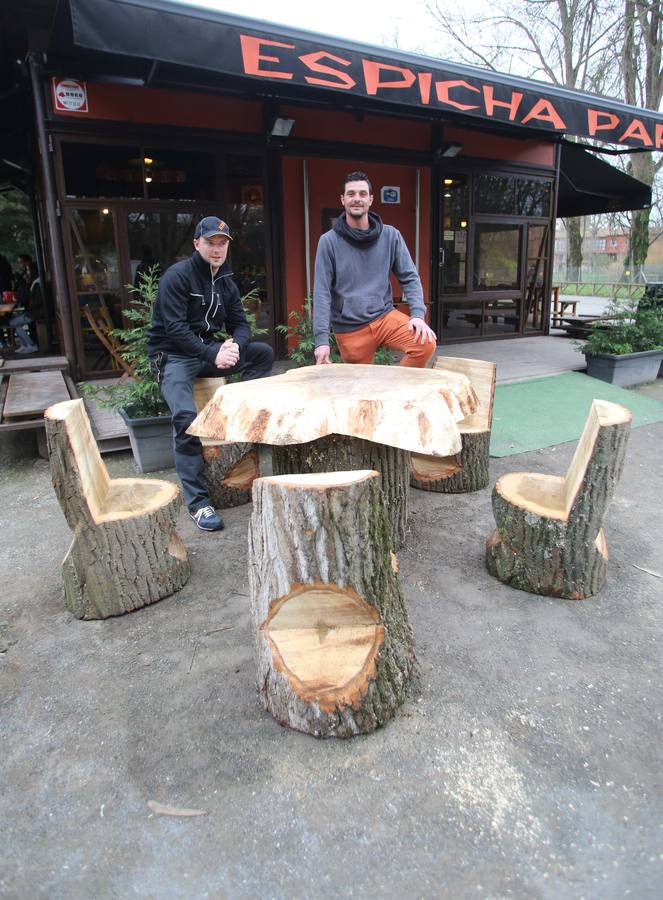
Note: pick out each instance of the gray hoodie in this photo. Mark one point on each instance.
(352, 269)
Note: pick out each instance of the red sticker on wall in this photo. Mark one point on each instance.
(69, 95)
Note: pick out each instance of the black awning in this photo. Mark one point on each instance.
(589, 185)
(279, 58)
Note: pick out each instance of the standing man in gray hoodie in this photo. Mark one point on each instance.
(352, 292)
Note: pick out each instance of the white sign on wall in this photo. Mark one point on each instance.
(69, 95)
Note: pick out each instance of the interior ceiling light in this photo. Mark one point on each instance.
(148, 179)
(448, 181)
(148, 160)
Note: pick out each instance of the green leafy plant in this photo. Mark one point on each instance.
(140, 395)
(632, 327)
(300, 331)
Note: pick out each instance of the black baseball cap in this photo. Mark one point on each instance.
(210, 226)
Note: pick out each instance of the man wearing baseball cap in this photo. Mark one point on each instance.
(197, 298)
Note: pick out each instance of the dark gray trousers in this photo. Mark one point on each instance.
(176, 382)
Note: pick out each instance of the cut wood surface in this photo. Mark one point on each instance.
(413, 409)
(334, 645)
(549, 538)
(469, 469)
(30, 393)
(125, 552)
(229, 469)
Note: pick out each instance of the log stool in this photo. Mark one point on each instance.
(334, 644)
(549, 538)
(468, 470)
(125, 551)
(228, 469)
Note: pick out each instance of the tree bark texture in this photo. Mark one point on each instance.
(334, 645)
(337, 453)
(465, 472)
(125, 552)
(229, 471)
(562, 555)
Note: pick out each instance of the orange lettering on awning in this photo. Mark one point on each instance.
(442, 89)
(638, 131)
(544, 111)
(659, 136)
(343, 80)
(252, 57)
(372, 71)
(490, 101)
(594, 124)
(424, 79)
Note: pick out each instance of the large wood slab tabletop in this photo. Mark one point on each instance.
(30, 393)
(413, 409)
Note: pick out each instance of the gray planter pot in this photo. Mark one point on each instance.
(151, 441)
(625, 369)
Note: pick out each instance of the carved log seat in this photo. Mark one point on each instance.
(125, 552)
(467, 470)
(549, 538)
(228, 468)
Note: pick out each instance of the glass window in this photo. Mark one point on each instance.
(160, 238)
(179, 175)
(461, 319)
(496, 256)
(510, 196)
(501, 316)
(453, 234)
(96, 170)
(537, 260)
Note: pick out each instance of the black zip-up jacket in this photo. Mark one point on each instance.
(191, 306)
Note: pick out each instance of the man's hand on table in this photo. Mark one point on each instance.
(422, 333)
(228, 355)
(321, 354)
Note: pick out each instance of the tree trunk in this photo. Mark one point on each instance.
(337, 453)
(573, 249)
(229, 471)
(334, 644)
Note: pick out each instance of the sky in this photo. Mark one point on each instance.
(366, 21)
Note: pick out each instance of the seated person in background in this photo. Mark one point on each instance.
(352, 290)
(197, 298)
(27, 283)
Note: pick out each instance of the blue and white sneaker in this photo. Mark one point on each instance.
(207, 519)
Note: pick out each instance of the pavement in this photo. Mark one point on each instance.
(526, 761)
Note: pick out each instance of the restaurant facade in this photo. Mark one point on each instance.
(140, 117)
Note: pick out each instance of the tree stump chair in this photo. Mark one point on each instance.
(468, 470)
(334, 645)
(549, 538)
(229, 469)
(125, 552)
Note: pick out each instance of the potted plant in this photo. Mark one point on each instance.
(138, 398)
(627, 348)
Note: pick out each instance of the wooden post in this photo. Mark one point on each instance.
(549, 538)
(125, 552)
(334, 645)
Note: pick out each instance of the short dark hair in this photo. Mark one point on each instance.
(358, 176)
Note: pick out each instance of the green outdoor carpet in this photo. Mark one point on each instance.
(542, 412)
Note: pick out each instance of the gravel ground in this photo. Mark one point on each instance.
(525, 763)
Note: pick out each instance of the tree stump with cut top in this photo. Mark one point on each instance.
(334, 645)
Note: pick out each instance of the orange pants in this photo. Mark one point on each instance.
(389, 331)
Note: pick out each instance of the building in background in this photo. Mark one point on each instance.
(127, 122)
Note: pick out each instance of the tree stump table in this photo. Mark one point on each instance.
(334, 644)
(339, 417)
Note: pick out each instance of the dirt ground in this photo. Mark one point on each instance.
(525, 763)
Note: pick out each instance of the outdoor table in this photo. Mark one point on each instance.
(346, 417)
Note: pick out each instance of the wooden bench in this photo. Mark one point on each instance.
(125, 552)
(549, 537)
(27, 389)
(560, 308)
(467, 470)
